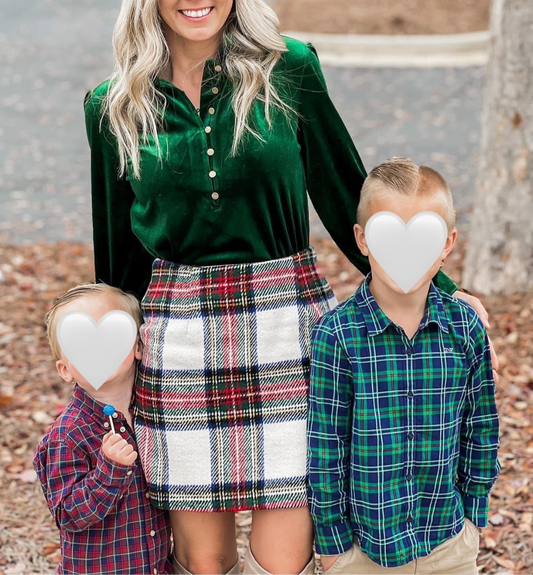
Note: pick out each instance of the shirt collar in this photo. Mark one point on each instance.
(90, 406)
(376, 321)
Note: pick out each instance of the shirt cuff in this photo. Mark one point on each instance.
(111, 473)
(476, 509)
(334, 538)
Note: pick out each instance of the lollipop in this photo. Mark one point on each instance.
(109, 410)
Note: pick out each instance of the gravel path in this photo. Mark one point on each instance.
(52, 54)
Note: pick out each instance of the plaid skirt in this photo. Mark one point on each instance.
(222, 387)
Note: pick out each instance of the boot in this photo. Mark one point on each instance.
(252, 567)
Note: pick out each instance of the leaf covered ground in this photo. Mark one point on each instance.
(32, 395)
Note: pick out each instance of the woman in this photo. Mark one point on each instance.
(214, 126)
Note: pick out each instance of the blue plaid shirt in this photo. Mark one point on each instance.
(403, 433)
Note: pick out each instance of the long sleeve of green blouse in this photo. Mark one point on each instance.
(202, 206)
(120, 258)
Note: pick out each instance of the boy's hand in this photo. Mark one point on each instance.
(118, 449)
(327, 561)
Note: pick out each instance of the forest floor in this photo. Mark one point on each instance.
(383, 16)
(32, 395)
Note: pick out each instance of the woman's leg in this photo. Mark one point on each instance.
(282, 539)
(204, 542)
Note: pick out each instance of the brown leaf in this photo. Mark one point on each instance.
(50, 548)
(504, 562)
(28, 476)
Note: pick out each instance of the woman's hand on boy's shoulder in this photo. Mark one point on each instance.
(116, 448)
(479, 308)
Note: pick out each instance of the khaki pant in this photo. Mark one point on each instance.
(456, 556)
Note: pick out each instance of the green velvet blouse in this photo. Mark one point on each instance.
(201, 206)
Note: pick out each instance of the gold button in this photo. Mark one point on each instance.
(208, 129)
(212, 174)
(215, 90)
(210, 152)
(218, 68)
(215, 195)
(152, 533)
(211, 111)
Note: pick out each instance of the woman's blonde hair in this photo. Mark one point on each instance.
(130, 304)
(251, 46)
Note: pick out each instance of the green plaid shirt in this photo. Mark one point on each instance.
(403, 434)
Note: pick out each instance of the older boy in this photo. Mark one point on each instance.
(91, 479)
(403, 427)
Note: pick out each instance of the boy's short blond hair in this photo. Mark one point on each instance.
(130, 304)
(402, 176)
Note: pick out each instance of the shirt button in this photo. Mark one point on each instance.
(215, 90)
(410, 435)
(210, 152)
(211, 111)
(106, 424)
(155, 571)
(215, 195)
(115, 415)
(212, 174)
(408, 351)
(218, 68)
(122, 429)
(409, 519)
(147, 495)
(408, 477)
(129, 472)
(207, 129)
(152, 533)
(410, 394)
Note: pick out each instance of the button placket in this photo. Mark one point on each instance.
(410, 436)
(212, 92)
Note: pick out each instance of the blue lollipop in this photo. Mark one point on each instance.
(109, 410)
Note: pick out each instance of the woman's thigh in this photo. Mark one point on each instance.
(282, 539)
(204, 542)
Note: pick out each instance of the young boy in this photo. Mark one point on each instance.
(403, 428)
(91, 478)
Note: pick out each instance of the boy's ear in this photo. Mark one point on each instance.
(138, 353)
(360, 239)
(64, 371)
(450, 242)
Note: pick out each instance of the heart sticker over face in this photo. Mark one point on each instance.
(96, 350)
(406, 251)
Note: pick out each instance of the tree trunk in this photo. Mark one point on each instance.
(499, 258)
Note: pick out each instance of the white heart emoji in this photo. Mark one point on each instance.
(406, 251)
(96, 350)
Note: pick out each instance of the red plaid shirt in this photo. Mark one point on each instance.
(106, 521)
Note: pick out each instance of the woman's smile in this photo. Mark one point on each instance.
(199, 15)
(195, 20)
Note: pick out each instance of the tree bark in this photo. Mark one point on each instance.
(499, 257)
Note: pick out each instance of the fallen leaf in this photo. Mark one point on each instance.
(41, 417)
(28, 476)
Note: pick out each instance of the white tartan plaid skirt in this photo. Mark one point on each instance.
(222, 387)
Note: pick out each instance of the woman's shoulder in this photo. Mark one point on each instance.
(298, 53)
(92, 103)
